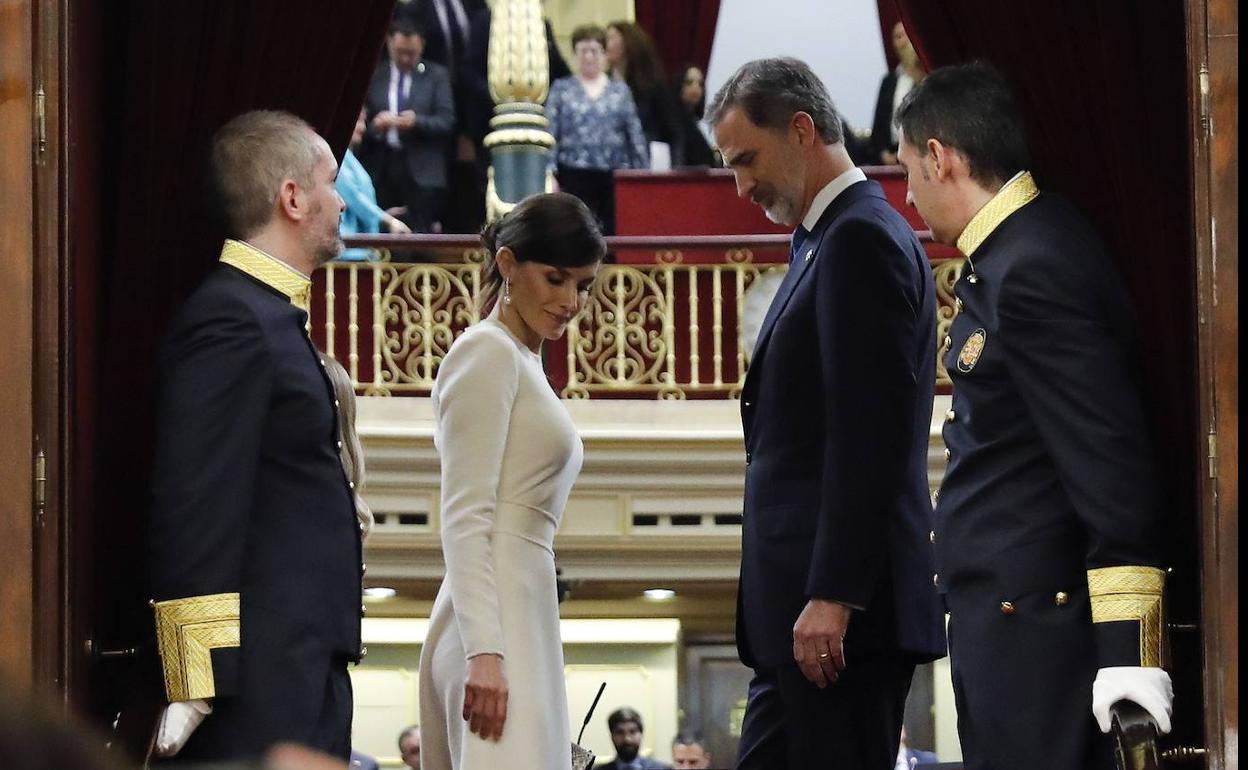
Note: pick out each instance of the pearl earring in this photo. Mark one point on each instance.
(507, 291)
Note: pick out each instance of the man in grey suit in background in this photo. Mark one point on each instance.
(411, 116)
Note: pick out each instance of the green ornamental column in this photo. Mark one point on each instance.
(520, 144)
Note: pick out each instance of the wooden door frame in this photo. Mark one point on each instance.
(1213, 57)
(33, 653)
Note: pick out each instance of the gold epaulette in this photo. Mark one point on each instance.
(187, 630)
(1131, 594)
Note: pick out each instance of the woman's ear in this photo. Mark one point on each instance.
(506, 260)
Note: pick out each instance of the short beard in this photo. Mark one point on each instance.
(328, 250)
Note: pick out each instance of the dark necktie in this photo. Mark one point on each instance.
(799, 238)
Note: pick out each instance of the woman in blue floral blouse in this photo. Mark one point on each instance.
(595, 122)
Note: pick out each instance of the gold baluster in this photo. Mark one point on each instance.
(717, 330)
(694, 358)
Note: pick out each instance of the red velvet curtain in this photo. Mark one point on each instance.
(683, 30)
(173, 73)
(890, 14)
(1103, 85)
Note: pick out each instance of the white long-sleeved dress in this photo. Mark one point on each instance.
(510, 454)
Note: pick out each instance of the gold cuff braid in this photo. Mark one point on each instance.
(187, 630)
(1131, 594)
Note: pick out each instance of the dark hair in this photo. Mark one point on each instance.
(252, 155)
(589, 32)
(405, 27)
(678, 85)
(771, 91)
(555, 229)
(689, 738)
(623, 715)
(971, 109)
(643, 70)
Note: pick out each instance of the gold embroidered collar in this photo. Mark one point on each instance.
(1016, 193)
(269, 270)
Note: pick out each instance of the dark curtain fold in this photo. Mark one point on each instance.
(1103, 87)
(683, 30)
(187, 67)
(890, 14)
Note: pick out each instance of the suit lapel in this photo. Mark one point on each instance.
(802, 262)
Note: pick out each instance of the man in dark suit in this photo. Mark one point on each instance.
(835, 604)
(254, 546)
(1047, 525)
(626, 733)
(411, 114)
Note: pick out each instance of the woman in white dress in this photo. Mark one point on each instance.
(491, 672)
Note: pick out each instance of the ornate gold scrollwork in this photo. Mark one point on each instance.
(421, 308)
(947, 274)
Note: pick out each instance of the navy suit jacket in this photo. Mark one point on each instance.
(836, 409)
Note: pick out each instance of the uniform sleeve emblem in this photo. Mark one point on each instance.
(971, 350)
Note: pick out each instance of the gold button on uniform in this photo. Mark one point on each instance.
(950, 416)
(948, 455)
(931, 537)
(350, 485)
(1007, 608)
(363, 610)
(1062, 599)
(948, 342)
(958, 304)
(339, 445)
(935, 580)
(972, 278)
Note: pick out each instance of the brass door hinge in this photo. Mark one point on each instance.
(41, 124)
(41, 486)
(1206, 115)
(1213, 454)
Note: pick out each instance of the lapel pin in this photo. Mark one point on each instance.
(810, 254)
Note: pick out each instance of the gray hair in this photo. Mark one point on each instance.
(251, 156)
(771, 91)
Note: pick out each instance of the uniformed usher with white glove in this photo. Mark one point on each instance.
(178, 721)
(1147, 686)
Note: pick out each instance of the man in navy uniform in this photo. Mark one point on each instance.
(1047, 523)
(835, 604)
(254, 546)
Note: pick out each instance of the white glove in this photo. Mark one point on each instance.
(178, 721)
(1148, 687)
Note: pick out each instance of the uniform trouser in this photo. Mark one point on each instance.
(1022, 683)
(854, 724)
(246, 725)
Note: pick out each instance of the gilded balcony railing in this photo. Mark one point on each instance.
(674, 319)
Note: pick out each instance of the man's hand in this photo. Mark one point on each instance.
(818, 640)
(485, 696)
(178, 721)
(1147, 686)
(405, 121)
(384, 120)
(396, 225)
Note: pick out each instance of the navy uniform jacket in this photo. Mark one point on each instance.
(1048, 516)
(254, 544)
(836, 409)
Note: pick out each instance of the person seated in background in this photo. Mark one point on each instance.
(908, 758)
(631, 59)
(626, 733)
(893, 89)
(411, 114)
(355, 186)
(691, 91)
(689, 752)
(409, 746)
(595, 125)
